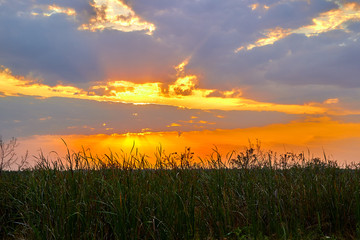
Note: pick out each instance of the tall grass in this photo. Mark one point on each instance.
(249, 195)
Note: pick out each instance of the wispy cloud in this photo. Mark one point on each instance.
(335, 19)
(271, 36)
(114, 14)
(49, 10)
(256, 6)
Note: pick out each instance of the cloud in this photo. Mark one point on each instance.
(331, 101)
(258, 6)
(18, 85)
(335, 19)
(184, 86)
(174, 125)
(48, 47)
(332, 20)
(55, 50)
(49, 10)
(114, 14)
(152, 93)
(329, 59)
(108, 14)
(26, 116)
(235, 93)
(271, 36)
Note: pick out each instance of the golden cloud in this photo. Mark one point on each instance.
(331, 101)
(254, 6)
(332, 20)
(272, 36)
(17, 85)
(174, 125)
(182, 93)
(114, 14)
(325, 22)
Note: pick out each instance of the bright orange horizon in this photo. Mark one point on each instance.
(316, 137)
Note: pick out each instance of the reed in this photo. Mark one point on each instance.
(246, 195)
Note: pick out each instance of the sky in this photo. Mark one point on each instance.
(107, 74)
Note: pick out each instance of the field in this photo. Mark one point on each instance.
(245, 195)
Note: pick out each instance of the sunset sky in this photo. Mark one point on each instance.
(201, 73)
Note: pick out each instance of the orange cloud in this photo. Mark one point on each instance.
(256, 6)
(11, 85)
(325, 22)
(174, 125)
(183, 86)
(271, 36)
(114, 14)
(336, 138)
(332, 20)
(192, 121)
(331, 101)
(180, 69)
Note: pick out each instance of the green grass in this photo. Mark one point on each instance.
(249, 195)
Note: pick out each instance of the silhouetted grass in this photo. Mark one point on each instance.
(250, 195)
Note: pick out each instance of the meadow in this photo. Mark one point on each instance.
(245, 195)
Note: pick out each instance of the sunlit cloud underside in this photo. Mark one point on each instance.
(182, 93)
(109, 14)
(114, 14)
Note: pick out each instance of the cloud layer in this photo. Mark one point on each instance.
(182, 93)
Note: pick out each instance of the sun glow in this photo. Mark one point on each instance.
(316, 135)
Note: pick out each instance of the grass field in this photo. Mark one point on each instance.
(249, 195)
